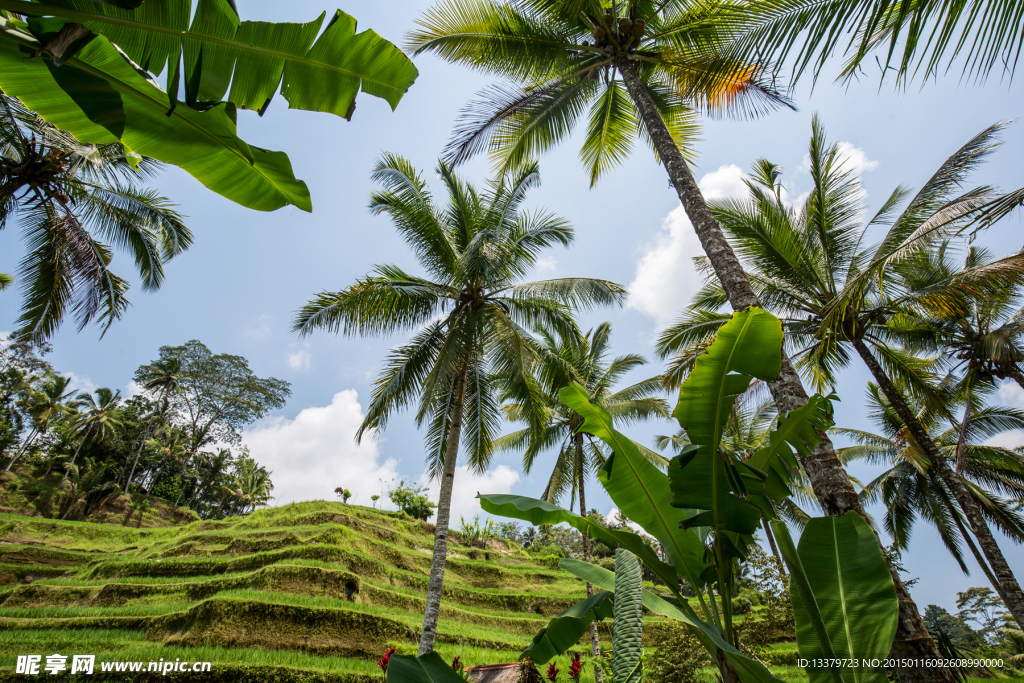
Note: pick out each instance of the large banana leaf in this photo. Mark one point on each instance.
(628, 627)
(538, 512)
(640, 490)
(106, 100)
(705, 478)
(841, 564)
(566, 628)
(428, 668)
(254, 57)
(749, 670)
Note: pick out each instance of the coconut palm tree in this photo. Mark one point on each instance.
(643, 67)
(45, 403)
(835, 293)
(162, 378)
(469, 316)
(99, 422)
(67, 196)
(583, 359)
(910, 487)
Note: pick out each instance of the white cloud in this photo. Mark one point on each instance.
(545, 266)
(467, 484)
(133, 388)
(1010, 394)
(299, 360)
(261, 328)
(665, 277)
(855, 159)
(80, 383)
(1009, 439)
(315, 452)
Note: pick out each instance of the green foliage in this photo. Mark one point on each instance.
(679, 656)
(412, 500)
(627, 630)
(476, 532)
(84, 85)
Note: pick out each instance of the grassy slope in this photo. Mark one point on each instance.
(311, 592)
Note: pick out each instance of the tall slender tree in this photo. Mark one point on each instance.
(567, 358)
(813, 268)
(469, 315)
(46, 402)
(99, 422)
(564, 54)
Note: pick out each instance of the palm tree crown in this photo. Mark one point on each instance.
(72, 196)
(565, 57)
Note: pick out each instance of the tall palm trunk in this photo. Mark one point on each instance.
(1007, 586)
(21, 451)
(595, 640)
(85, 435)
(444, 503)
(993, 581)
(829, 480)
(771, 543)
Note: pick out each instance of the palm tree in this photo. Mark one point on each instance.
(911, 487)
(919, 39)
(5, 281)
(669, 58)
(100, 420)
(469, 318)
(69, 194)
(161, 377)
(583, 359)
(86, 480)
(45, 403)
(813, 269)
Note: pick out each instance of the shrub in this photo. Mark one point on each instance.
(679, 658)
(412, 500)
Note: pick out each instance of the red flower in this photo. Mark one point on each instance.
(575, 666)
(383, 661)
(457, 663)
(552, 673)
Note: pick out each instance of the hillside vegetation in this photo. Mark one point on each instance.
(318, 590)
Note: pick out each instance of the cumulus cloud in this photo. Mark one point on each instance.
(315, 452)
(299, 360)
(80, 383)
(545, 266)
(1011, 395)
(665, 277)
(467, 484)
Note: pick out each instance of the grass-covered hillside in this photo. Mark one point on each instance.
(312, 587)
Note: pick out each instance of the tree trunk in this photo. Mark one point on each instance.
(595, 639)
(771, 542)
(444, 502)
(128, 481)
(962, 437)
(974, 551)
(829, 480)
(1007, 586)
(24, 447)
(85, 436)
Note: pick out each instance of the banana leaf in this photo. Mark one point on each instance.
(428, 668)
(749, 670)
(107, 99)
(852, 598)
(255, 57)
(566, 628)
(538, 512)
(640, 490)
(628, 626)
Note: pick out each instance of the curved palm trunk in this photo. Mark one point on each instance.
(85, 436)
(1006, 585)
(24, 447)
(974, 551)
(595, 639)
(128, 481)
(829, 480)
(444, 503)
(771, 543)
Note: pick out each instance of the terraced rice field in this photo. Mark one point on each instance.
(311, 591)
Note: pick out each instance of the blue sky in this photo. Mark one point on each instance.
(238, 287)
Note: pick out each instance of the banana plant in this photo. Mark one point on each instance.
(90, 68)
(704, 511)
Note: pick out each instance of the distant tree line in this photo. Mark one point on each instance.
(178, 439)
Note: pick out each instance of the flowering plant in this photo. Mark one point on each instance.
(552, 673)
(575, 666)
(383, 661)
